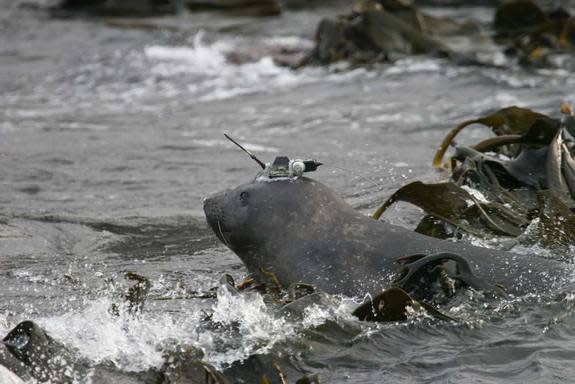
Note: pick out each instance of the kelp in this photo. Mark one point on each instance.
(393, 305)
(525, 172)
(451, 271)
(135, 297)
(137, 293)
(556, 225)
(560, 165)
(513, 124)
(495, 174)
(390, 305)
(452, 204)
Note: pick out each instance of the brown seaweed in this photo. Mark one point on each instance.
(556, 220)
(525, 172)
(452, 204)
(392, 305)
(516, 124)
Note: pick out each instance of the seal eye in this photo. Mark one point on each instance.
(244, 196)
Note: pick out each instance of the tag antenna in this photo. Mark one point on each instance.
(246, 151)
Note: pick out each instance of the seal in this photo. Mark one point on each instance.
(301, 231)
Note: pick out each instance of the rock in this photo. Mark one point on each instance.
(250, 7)
(406, 11)
(458, 3)
(534, 37)
(331, 44)
(117, 8)
(371, 33)
(144, 8)
(515, 16)
(45, 358)
(390, 33)
(304, 4)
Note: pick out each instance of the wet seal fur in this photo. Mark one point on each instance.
(301, 231)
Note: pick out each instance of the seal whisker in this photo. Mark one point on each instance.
(223, 237)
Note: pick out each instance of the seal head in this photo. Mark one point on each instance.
(268, 215)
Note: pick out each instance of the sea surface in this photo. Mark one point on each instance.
(111, 134)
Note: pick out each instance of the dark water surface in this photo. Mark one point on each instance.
(110, 137)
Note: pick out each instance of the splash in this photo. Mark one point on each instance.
(131, 343)
(199, 58)
(216, 77)
(248, 328)
(239, 326)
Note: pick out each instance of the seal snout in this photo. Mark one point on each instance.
(214, 211)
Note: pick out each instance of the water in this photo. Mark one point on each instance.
(111, 137)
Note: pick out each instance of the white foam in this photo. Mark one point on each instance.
(130, 343)
(245, 327)
(412, 65)
(213, 77)
(289, 42)
(219, 79)
(160, 75)
(258, 329)
(199, 58)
